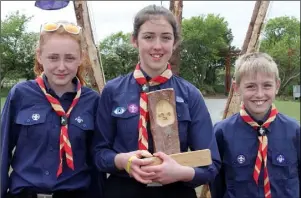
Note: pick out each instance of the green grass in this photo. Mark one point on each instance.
(2, 101)
(290, 108)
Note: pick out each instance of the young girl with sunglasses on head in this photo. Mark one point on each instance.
(122, 140)
(50, 123)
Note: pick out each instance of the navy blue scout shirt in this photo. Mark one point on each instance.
(30, 124)
(117, 123)
(238, 146)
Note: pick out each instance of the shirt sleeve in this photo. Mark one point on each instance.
(104, 134)
(201, 136)
(8, 141)
(218, 186)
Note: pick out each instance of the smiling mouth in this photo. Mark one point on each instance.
(61, 75)
(259, 102)
(157, 56)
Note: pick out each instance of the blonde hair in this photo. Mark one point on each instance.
(253, 63)
(38, 68)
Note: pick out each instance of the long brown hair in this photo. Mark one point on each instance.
(38, 68)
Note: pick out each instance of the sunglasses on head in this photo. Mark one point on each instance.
(69, 27)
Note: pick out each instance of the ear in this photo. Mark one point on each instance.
(134, 41)
(38, 55)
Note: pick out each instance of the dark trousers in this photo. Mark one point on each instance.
(119, 187)
(59, 194)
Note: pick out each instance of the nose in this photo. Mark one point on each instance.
(157, 43)
(260, 92)
(62, 65)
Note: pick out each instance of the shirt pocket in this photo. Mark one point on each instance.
(284, 164)
(33, 125)
(126, 116)
(239, 175)
(81, 130)
(184, 119)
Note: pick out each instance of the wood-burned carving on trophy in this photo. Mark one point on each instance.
(163, 121)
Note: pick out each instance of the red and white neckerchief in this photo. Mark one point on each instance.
(263, 146)
(141, 80)
(65, 145)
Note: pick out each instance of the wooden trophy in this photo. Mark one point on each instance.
(164, 129)
(163, 121)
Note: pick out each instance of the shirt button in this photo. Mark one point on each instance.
(84, 125)
(51, 148)
(28, 120)
(179, 115)
(46, 172)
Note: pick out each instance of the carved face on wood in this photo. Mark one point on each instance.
(164, 113)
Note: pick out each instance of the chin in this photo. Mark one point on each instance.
(259, 110)
(61, 82)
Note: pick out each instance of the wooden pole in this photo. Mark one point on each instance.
(95, 74)
(252, 47)
(251, 26)
(260, 10)
(176, 7)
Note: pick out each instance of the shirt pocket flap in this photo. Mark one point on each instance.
(84, 121)
(182, 111)
(124, 113)
(238, 160)
(31, 116)
(284, 158)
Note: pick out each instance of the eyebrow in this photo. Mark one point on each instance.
(254, 82)
(155, 33)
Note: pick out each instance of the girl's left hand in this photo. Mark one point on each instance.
(169, 171)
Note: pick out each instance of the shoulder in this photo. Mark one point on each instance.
(192, 92)
(90, 92)
(21, 88)
(288, 121)
(228, 123)
(117, 83)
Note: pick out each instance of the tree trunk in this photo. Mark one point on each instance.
(95, 73)
(176, 8)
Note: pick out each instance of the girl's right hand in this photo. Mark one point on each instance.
(132, 162)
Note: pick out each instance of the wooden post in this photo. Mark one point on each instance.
(95, 74)
(252, 47)
(176, 7)
(228, 72)
(261, 7)
(251, 26)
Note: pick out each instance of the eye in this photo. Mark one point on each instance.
(267, 85)
(53, 58)
(70, 58)
(119, 110)
(166, 37)
(147, 37)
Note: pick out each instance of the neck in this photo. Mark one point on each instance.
(60, 90)
(151, 72)
(260, 117)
